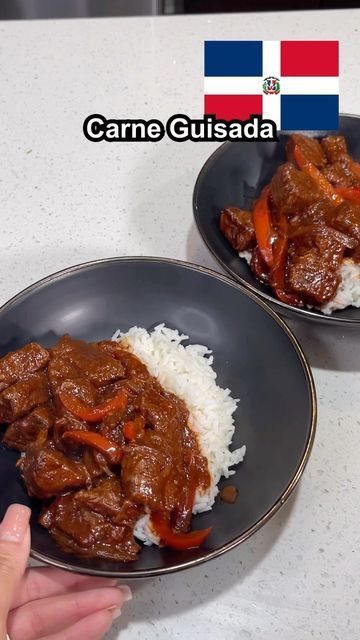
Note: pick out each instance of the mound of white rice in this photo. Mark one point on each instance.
(348, 292)
(188, 373)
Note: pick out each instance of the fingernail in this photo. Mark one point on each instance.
(116, 613)
(15, 523)
(126, 591)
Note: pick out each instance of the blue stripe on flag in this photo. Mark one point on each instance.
(309, 112)
(233, 58)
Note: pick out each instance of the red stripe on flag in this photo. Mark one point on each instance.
(233, 107)
(309, 58)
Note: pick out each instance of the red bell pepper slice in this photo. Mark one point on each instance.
(110, 450)
(262, 226)
(308, 167)
(81, 410)
(179, 541)
(132, 428)
(349, 193)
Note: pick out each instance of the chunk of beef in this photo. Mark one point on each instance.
(134, 368)
(24, 361)
(112, 425)
(293, 191)
(93, 362)
(314, 262)
(17, 400)
(346, 218)
(95, 463)
(341, 175)
(62, 369)
(238, 228)
(310, 148)
(144, 473)
(84, 523)
(48, 472)
(317, 213)
(108, 499)
(24, 431)
(335, 149)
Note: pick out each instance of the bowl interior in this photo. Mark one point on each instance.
(233, 176)
(255, 357)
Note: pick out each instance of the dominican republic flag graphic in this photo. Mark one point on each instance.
(295, 83)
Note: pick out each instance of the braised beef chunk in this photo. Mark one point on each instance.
(318, 213)
(108, 499)
(335, 149)
(79, 529)
(310, 148)
(341, 175)
(48, 472)
(24, 431)
(347, 219)
(313, 270)
(144, 472)
(21, 397)
(292, 191)
(134, 368)
(95, 463)
(93, 362)
(237, 226)
(22, 362)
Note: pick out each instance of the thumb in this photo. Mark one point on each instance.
(14, 553)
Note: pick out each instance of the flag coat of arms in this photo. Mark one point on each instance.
(295, 83)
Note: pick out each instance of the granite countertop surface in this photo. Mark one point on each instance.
(65, 200)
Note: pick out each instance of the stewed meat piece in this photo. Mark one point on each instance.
(238, 227)
(144, 473)
(335, 149)
(90, 360)
(341, 175)
(95, 522)
(48, 472)
(313, 270)
(23, 432)
(292, 191)
(133, 367)
(22, 362)
(347, 219)
(310, 148)
(17, 400)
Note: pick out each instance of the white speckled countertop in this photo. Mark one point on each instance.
(65, 200)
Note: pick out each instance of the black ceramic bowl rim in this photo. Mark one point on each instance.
(304, 458)
(287, 309)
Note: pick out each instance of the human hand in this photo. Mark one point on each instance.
(47, 603)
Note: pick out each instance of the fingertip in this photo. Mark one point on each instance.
(15, 523)
(126, 591)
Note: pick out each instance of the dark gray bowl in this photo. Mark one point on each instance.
(256, 356)
(233, 176)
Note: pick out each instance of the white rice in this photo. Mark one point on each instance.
(188, 373)
(348, 292)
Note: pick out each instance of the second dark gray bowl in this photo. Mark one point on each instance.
(233, 176)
